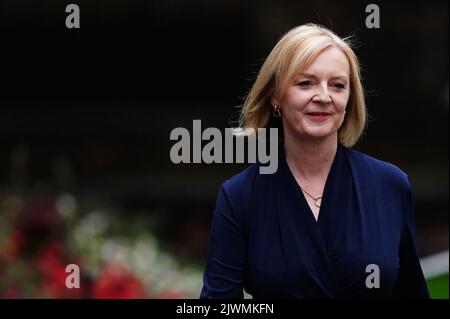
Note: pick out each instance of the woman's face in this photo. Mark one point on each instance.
(313, 105)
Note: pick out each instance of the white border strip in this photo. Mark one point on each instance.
(435, 265)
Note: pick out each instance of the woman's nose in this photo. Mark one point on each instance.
(322, 95)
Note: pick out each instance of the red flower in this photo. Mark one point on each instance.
(116, 282)
(52, 264)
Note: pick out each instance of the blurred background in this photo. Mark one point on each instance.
(86, 114)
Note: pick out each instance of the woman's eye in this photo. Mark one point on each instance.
(304, 83)
(339, 85)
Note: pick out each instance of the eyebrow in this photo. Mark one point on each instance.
(310, 75)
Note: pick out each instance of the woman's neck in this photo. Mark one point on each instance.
(311, 159)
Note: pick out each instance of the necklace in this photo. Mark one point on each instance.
(315, 199)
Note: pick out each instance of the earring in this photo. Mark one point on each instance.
(276, 111)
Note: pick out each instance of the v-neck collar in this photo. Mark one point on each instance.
(337, 160)
(297, 222)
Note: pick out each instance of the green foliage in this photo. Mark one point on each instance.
(438, 287)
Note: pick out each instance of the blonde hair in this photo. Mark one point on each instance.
(295, 51)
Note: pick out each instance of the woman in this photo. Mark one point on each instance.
(331, 222)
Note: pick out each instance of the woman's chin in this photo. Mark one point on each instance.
(319, 133)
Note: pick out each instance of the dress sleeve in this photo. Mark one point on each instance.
(227, 253)
(410, 279)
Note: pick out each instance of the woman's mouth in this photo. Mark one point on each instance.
(318, 116)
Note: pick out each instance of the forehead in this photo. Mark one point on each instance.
(332, 61)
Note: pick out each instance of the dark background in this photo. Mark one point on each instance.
(89, 111)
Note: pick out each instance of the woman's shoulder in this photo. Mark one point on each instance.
(236, 193)
(377, 168)
(241, 183)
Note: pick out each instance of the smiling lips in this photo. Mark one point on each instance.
(318, 116)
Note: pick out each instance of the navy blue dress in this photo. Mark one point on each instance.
(264, 237)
